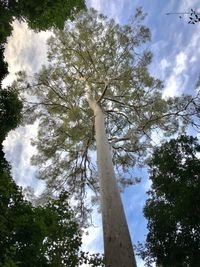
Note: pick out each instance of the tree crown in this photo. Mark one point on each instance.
(95, 57)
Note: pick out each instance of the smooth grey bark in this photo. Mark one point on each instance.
(117, 242)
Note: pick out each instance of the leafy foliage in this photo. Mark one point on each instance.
(3, 65)
(41, 236)
(194, 17)
(49, 13)
(172, 209)
(96, 54)
(10, 111)
(6, 20)
(38, 236)
(43, 15)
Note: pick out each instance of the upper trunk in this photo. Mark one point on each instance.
(117, 243)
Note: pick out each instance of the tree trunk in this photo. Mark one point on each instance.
(117, 242)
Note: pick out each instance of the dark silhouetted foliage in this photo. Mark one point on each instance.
(172, 209)
(3, 65)
(10, 112)
(43, 15)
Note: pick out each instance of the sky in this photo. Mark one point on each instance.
(176, 50)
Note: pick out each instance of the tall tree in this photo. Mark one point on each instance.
(172, 209)
(97, 93)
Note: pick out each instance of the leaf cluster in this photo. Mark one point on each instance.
(194, 17)
(10, 111)
(38, 236)
(172, 209)
(41, 15)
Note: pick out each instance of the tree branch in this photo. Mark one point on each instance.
(104, 92)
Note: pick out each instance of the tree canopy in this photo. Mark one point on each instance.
(3, 65)
(42, 15)
(172, 209)
(10, 111)
(40, 236)
(95, 56)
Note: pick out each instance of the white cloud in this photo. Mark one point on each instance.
(164, 64)
(18, 151)
(26, 50)
(175, 84)
(181, 60)
(185, 62)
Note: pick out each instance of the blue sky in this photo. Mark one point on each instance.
(176, 48)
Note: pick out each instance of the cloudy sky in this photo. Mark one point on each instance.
(176, 48)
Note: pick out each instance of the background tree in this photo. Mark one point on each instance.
(38, 236)
(3, 65)
(97, 93)
(172, 209)
(5, 22)
(10, 111)
(42, 236)
(43, 15)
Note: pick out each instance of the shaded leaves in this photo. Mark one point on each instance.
(172, 208)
